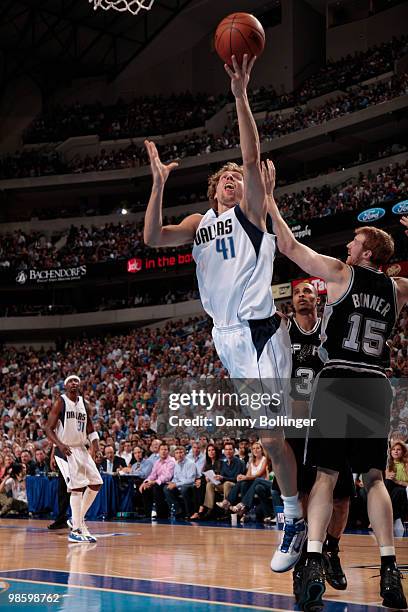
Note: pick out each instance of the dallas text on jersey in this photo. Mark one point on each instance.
(221, 228)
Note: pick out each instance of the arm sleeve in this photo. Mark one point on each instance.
(154, 472)
(188, 476)
(167, 473)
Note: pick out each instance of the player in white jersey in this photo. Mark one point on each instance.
(69, 426)
(234, 252)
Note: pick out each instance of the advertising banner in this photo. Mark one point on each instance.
(284, 290)
(318, 283)
(52, 275)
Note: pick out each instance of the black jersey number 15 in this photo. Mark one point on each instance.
(365, 334)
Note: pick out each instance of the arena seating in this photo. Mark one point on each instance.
(38, 163)
(122, 378)
(123, 240)
(163, 115)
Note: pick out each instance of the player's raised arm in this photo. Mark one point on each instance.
(253, 204)
(402, 283)
(327, 268)
(155, 235)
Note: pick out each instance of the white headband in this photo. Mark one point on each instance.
(71, 377)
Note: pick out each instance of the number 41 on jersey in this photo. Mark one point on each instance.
(226, 247)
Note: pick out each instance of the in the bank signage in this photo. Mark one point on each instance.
(50, 276)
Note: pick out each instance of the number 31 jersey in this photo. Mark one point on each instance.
(234, 268)
(71, 427)
(356, 327)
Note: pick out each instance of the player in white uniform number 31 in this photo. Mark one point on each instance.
(234, 253)
(69, 426)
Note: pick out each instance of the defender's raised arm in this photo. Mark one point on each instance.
(327, 268)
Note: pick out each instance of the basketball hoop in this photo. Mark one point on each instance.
(133, 6)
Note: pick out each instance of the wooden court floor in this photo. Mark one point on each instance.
(173, 564)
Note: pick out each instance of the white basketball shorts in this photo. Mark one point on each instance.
(78, 469)
(258, 350)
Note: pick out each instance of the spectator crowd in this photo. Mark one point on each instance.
(113, 242)
(275, 124)
(335, 75)
(147, 115)
(124, 380)
(172, 296)
(162, 115)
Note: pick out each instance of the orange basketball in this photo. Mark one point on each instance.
(237, 34)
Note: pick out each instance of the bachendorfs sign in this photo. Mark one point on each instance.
(50, 276)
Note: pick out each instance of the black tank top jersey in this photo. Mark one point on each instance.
(356, 327)
(306, 362)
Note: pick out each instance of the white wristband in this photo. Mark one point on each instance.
(93, 436)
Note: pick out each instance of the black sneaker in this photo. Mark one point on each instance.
(56, 525)
(391, 588)
(313, 587)
(298, 578)
(333, 570)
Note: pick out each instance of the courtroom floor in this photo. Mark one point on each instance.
(153, 567)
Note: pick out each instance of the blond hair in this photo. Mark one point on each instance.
(214, 178)
(378, 242)
(264, 454)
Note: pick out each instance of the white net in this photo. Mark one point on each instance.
(133, 6)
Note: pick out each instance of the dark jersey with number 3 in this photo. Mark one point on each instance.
(356, 327)
(306, 362)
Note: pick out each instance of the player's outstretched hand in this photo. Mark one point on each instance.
(404, 221)
(269, 176)
(65, 450)
(160, 171)
(240, 75)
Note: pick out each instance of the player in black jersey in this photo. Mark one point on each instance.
(362, 307)
(304, 330)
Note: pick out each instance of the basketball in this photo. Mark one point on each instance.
(237, 34)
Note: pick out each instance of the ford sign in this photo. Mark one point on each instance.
(401, 208)
(372, 214)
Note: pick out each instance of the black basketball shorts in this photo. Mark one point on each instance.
(352, 411)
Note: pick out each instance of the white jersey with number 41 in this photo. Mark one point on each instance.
(234, 268)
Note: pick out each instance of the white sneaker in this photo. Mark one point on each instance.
(87, 533)
(77, 536)
(289, 551)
